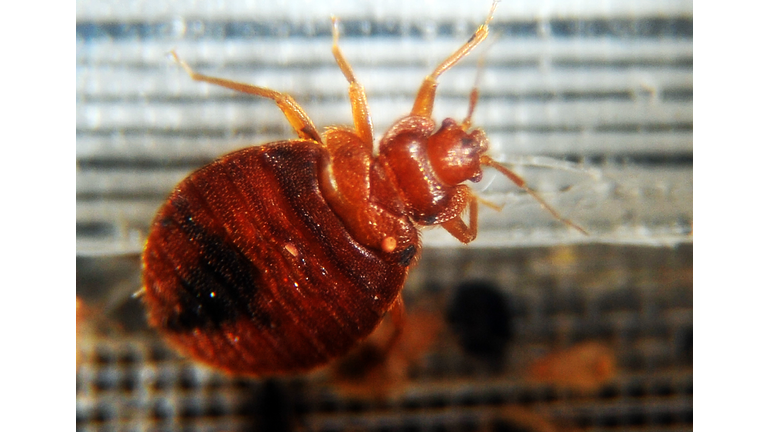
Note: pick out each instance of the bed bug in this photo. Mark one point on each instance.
(280, 257)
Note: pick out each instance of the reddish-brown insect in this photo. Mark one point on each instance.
(280, 257)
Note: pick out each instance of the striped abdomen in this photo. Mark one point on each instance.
(246, 267)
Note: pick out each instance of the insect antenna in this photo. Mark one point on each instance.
(474, 94)
(520, 182)
(487, 160)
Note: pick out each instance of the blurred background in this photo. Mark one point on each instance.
(531, 327)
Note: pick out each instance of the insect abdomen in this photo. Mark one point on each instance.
(249, 270)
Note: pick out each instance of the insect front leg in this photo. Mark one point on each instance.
(295, 114)
(456, 226)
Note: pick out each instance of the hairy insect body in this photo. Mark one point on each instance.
(249, 270)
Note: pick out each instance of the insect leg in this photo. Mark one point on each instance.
(425, 98)
(296, 116)
(360, 111)
(456, 226)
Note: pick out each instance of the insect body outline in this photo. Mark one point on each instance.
(281, 257)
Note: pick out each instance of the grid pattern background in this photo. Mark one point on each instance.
(637, 302)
